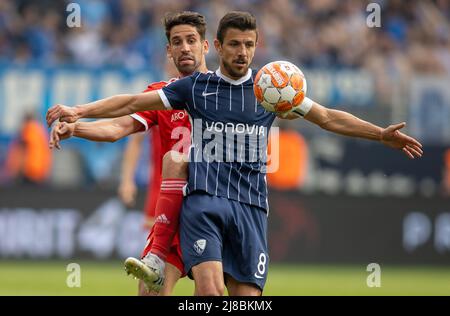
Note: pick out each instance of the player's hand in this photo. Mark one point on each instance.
(63, 113)
(288, 116)
(392, 137)
(60, 131)
(127, 192)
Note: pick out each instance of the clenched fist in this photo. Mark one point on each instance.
(60, 131)
(63, 113)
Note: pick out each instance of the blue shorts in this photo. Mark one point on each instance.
(214, 228)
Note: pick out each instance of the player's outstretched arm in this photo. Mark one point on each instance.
(344, 123)
(101, 131)
(115, 106)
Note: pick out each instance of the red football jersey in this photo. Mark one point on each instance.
(174, 125)
(162, 141)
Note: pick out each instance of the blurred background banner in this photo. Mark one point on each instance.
(41, 87)
(83, 224)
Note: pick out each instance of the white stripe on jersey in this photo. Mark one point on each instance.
(257, 189)
(217, 176)
(229, 178)
(250, 188)
(230, 97)
(267, 200)
(206, 89)
(206, 178)
(256, 102)
(248, 177)
(239, 182)
(242, 89)
(217, 94)
(195, 172)
(193, 87)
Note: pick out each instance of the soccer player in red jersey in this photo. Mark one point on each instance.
(187, 47)
(127, 188)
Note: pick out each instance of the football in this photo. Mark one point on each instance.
(280, 86)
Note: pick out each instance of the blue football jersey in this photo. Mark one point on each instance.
(229, 135)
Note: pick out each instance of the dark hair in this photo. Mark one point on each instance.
(236, 19)
(186, 17)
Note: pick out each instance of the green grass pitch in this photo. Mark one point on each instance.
(109, 278)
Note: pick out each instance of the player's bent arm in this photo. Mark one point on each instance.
(127, 188)
(343, 123)
(131, 156)
(107, 130)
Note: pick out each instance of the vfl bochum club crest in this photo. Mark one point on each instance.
(199, 246)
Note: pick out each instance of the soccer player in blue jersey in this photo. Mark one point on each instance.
(224, 219)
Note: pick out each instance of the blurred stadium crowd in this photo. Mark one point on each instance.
(331, 36)
(415, 35)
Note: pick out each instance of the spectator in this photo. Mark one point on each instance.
(29, 158)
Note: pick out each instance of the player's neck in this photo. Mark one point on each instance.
(202, 69)
(222, 72)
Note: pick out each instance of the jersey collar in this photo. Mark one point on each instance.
(234, 82)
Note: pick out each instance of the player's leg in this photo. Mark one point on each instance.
(245, 255)
(172, 273)
(208, 278)
(174, 267)
(142, 290)
(236, 288)
(168, 207)
(203, 220)
(152, 266)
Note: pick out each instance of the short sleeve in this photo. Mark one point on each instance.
(146, 118)
(175, 94)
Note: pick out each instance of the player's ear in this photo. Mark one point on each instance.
(169, 51)
(206, 46)
(218, 46)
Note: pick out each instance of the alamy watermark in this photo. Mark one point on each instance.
(374, 17)
(74, 277)
(74, 16)
(216, 141)
(374, 278)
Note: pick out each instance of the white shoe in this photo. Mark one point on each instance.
(150, 270)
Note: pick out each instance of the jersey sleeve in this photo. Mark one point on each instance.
(149, 118)
(146, 118)
(175, 95)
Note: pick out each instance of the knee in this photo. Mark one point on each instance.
(210, 289)
(174, 165)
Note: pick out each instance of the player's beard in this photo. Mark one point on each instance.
(188, 70)
(233, 72)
